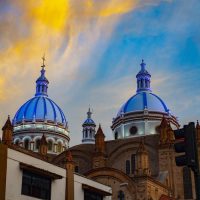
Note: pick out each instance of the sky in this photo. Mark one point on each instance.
(93, 52)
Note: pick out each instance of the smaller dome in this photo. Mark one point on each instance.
(89, 122)
(144, 100)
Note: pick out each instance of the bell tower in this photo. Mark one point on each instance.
(89, 129)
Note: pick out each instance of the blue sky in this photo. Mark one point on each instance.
(93, 60)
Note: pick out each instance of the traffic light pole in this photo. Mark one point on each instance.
(196, 169)
(189, 146)
(197, 175)
(197, 184)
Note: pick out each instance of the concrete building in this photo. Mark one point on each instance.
(26, 175)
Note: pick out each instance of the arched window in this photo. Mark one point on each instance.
(133, 130)
(121, 195)
(86, 133)
(17, 143)
(59, 147)
(128, 167)
(187, 183)
(132, 163)
(26, 144)
(116, 135)
(50, 145)
(37, 144)
(142, 83)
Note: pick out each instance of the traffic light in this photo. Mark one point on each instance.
(186, 144)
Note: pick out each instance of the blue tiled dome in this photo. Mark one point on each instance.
(40, 108)
(89, 121)
(143, 100)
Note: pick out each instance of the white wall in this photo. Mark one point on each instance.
(14, 176)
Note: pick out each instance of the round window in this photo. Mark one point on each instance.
(133, 130)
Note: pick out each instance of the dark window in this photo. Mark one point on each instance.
(37, 144)
(26, 144)
(141, 83)
(86, 133)
(132, 163)
(17, 143)
(187, 182)
(59, 147)
(133, 130)
(50, 145)
(116, 135)
(76, 169)
(88, 195)
(36, 186)
(121, 195)
(128, 167)
(158, 129)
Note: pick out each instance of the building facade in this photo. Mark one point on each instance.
(28, 175)
(138, 164)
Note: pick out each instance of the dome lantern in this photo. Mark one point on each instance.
(42, 82)
(143, 79)
(88, 129)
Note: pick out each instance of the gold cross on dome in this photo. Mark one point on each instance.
(43, 60)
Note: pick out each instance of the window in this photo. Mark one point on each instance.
(86, 133)
(76, 169)
(59, 147)
(116, 135)
(26, 144)
(17, 143)
(37, 144)
(36, 186)
(50, 145)
(187, 183)
(132, 163)
(88, 195)
(133, 130)
(121, 195)
(128, 167)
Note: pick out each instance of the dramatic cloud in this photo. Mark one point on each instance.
(91, 47)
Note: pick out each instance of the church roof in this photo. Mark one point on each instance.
(144, 97)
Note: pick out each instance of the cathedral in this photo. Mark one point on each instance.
(138, 164)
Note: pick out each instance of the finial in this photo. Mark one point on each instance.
(143, 65)
(43, 60)
(89, 113)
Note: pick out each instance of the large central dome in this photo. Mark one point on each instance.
(40, 115)
(142, 113)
